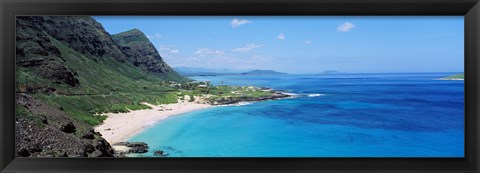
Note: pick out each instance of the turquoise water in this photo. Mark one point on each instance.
(346, 115)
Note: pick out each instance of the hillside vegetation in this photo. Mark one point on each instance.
(70, 72)
(73, 63)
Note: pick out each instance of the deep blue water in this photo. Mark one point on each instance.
(355, 115)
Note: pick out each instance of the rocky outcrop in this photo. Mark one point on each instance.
(81, 33)
(43, 40)
(141, 52)
(105, 148)
(36, 137)
(90, 135)
(35, 50)
(134, 147)
(68, 128)
(42, 140)
(160, 153)
(235, 100)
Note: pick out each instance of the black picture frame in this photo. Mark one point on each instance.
(470, 9)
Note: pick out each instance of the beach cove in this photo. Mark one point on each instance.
(119, 127)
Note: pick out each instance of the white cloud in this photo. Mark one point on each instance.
(207, 51)
(307, 42)
(167, 50)
(247, 48)
(149, 37)
(238, 22)
(210, 58)
(345, 27)
(281, 37)
(158, 36)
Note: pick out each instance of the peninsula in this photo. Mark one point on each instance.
(460, 76)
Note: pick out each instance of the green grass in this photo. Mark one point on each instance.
(223, 92)
(87, 108)
(138, 107)
(104, 75)
(106, 85)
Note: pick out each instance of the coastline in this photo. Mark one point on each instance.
(119, 127)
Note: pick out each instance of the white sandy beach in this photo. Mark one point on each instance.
(119, 127)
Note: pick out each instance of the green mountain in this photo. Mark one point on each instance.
(141, 52)
(77, 51)
(74, 55)
(263, 72)
(70, 70)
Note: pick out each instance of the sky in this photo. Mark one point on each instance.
(304, 44)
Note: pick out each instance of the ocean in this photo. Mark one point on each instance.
(338, 115)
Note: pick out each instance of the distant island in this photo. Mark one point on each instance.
(195, 71)
(198, 71)
(263, 72)
(459, 76)
(331, 72)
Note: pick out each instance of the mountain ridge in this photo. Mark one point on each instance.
(69, 70)
(142, 53)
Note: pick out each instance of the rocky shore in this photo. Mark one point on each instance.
(236, 100)
(123, 148)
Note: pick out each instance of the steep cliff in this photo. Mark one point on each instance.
(47, 44)
(69, 71)
(141, 52)
(81, 33)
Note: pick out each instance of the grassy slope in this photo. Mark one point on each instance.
(124, 41)
(106, 85)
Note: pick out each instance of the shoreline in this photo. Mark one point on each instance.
(119, 127)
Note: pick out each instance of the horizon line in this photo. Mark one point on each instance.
(322, 72)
